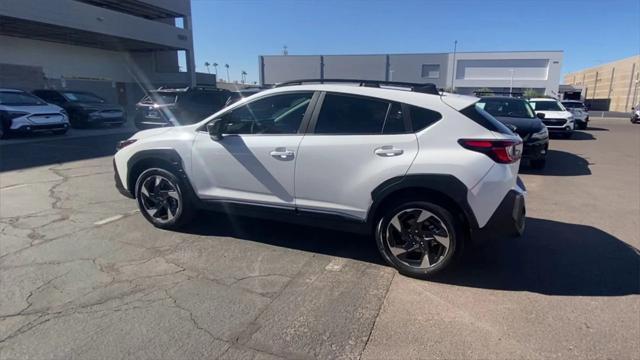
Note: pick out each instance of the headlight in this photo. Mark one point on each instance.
(125, 143)
(64, 112)
(570, 118)
(542, 134)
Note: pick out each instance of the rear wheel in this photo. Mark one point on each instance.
(163, 199)
(418, 238)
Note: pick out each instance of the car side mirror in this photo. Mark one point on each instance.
(214, 128)
(540, 115)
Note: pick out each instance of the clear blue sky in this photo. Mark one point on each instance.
(590, 32)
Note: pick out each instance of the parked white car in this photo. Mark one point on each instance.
(579, 112)
(422, 172)
(21, 112)
(556, 117)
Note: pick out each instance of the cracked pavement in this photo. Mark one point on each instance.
(84, 276)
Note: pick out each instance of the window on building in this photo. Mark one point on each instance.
(431, 71)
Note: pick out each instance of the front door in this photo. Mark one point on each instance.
(254, 162)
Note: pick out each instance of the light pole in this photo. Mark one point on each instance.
(227, 66)
(511, 83)
(244, 76)
(453, 71)
(215, 68)
(206, 64)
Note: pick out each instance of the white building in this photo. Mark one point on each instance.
(113, 48)
(513, 71)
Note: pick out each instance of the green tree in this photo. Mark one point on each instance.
(530, 93)
(484, 92)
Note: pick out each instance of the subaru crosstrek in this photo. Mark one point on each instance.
(422, 172)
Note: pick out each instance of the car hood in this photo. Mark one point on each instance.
(150, 132)
(523, 125)
(555, 114)
(33, 109)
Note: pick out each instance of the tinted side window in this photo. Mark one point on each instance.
(394, 123)
(485, 119)
(351, 115)
(277, 114)
(421, 117)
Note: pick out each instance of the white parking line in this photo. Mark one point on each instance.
(14, 186)
(108, 220)
(335, 264)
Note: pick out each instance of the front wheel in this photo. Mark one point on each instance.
(163, 199)
(419, 238)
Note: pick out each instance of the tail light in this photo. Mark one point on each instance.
(501, 151)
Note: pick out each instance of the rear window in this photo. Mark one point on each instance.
(484, 119)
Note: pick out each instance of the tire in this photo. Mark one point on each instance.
(60, 132)
(169, 198)
(538, 163)
(4, 133)
(411, 263)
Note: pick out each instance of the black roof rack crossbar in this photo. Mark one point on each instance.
(427, 88)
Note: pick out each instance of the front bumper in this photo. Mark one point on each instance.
(535, 150)
(34, 128)
(119, 184)
(509, 218)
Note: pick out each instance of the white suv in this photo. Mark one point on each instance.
(422, 172)
(554, 115)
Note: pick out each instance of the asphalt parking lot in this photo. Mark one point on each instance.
(83, 275)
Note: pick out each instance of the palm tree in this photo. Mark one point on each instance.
(227, 66)
(206, 64)
(244, 76)
(215, 68)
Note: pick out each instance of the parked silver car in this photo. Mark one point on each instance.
(22, 112)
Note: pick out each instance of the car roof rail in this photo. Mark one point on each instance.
(427, 88)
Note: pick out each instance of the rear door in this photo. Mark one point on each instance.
(354, 143)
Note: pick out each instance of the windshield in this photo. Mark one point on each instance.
(547, 105)
(163, 98)
(82, 97)
(572, 105)
(19, 98)
(507, 107)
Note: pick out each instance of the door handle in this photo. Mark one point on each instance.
(388, 151)
(282, 153)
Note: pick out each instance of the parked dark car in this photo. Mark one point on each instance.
(518, 115)
(174, 107)
(85, 109)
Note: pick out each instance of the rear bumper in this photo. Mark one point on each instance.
(508, 220)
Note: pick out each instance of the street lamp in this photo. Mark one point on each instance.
(206, 64)
(215, 68)
(511, 83)
(227, 66)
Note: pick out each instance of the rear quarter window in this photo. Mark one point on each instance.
(422, 118)
(484, 119)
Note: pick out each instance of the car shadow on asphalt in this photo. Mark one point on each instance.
(552, 258)
(577, 135)
(560, 163)
(591, 128)
(298, 237)
(17, 156)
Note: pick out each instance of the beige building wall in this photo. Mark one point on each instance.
(614, 86)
